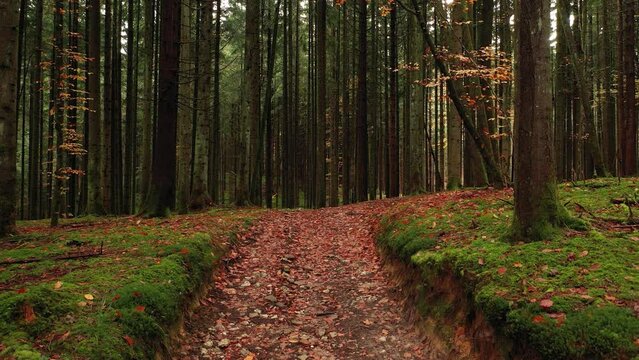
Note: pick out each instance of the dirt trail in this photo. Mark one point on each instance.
(304, 285)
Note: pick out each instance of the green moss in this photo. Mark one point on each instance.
(140, 289)
(590, 274)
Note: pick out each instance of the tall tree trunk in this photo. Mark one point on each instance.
(185, 121)
(8, 107)
(322, 108)
(537, 208)
(146, 141)
(36, 119)
(216, 146)
(252, 65)
(361, 154)
(200, 197)
(59, 85)
(107, 123)
(627, 108)
(161, 196)
(608, 102)
(272, 35)
(393, 121)
(131, 113)
(346, 112)
(454, 132)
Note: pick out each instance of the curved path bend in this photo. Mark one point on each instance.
(304, 285)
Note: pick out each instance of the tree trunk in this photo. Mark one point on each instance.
(36, 119)
(252, 64)
(8, 108)
(393, 126)
(537, 209)
(161, 196)
(59, 86)
(146, 141)
(361, 154)
(185, 120)
(200, 197)
(627, 109)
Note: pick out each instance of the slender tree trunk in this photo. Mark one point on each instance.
(346, 112)
(161, 196)
(216, 146)
(454, 121)
(393, 126)
(185, 120)
(252, 65)
(59, 85)
(146, 141)
(36, 120)
(322, 108)
(131, 113)
(361, 155)
(200, 197)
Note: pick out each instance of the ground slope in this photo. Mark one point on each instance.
(305, 285)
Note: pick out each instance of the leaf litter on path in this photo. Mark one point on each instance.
(304, 285)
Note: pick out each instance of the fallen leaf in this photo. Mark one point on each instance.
(546, 303)
(29, 314)
(480, 261)
(501, 270)
(518, 265)
(129, 340)
(21, 291)
(538, 319)
(583, 253)
(57, 285)
(82, 303)
(139, 308)
(88, 297)
(250, 356)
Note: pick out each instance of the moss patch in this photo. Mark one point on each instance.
(120, 305)
(574, 295)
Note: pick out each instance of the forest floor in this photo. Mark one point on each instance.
(305, 285)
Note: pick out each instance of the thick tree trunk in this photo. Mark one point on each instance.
(161, 196)
(58, 110)
(8, 108)
(627, 108)
(216, 147)
(537, 209)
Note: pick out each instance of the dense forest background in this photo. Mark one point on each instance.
(287, 103)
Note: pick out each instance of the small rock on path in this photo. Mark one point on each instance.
(304, 285)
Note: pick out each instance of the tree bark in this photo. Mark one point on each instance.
(161, 196)
(537, 208)
(361, 154)
(8, 108)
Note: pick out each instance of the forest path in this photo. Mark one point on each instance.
(304, 285)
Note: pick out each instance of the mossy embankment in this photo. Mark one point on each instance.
(573, 296)
(123, 304)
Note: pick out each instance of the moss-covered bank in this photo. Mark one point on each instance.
(573, 296)
(124, 304)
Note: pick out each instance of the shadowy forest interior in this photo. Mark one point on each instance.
(503, 133)
(301, 104)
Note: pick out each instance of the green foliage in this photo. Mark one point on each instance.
(587, 271)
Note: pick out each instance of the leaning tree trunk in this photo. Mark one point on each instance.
(8, 109)
(537, 209)
(161, 196)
